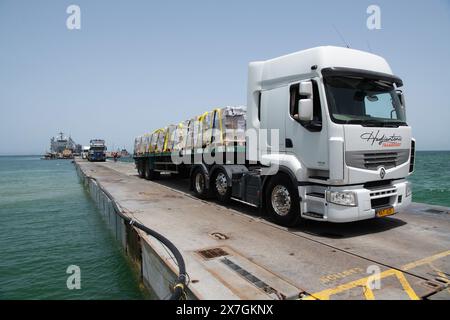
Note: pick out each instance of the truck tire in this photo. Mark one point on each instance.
(199, 184)
(220, 185)
(140, 168)
(150, 174)
(283, 201)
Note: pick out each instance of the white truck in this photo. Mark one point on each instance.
(342, 152)
(85, 152)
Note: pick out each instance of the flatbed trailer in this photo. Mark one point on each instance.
(241, 181)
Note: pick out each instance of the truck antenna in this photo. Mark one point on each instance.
(340, 36)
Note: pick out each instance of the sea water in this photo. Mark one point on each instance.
(49, 223)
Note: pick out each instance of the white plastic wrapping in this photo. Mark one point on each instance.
(222, 126)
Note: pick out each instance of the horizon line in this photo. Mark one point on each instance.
(29, 155)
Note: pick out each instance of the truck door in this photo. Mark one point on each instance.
(272, 116)
(307, 140)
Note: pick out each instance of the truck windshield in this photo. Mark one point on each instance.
(364, 101)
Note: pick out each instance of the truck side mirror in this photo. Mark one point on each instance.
(401, 97)
(305, 110)
(305, 104)
(306, 89)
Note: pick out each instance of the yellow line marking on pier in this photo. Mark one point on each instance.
(364, 282)
(368, 293)
(406, 286)
(428, 260)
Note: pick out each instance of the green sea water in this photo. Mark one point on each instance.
(431, 179)
(48, 222)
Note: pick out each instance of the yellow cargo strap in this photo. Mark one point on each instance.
(166, 140)
(203, 116)
(211, 124)
(163, 134)
(150, 147)
(219, 112)
(157, 131)
(167, 137)
(202, 119)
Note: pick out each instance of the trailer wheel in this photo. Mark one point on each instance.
(198, 181)
(141, 169)
(220, 185)
(150, 174)
(283, 202)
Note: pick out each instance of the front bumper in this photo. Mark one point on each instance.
(368, 200)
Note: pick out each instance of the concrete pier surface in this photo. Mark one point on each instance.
(232, 252)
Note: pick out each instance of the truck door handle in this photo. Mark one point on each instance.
(289, 143)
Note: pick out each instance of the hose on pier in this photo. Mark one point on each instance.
(178, 292)
(181, 283)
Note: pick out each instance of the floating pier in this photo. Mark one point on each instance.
(232, 252)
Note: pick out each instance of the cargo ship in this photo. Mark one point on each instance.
(62, 147)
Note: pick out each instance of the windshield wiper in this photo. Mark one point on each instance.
(365, 123)
(354, 121)
(398, 123)
(375, 123)
(372, 123)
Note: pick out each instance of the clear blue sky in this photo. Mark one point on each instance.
(138, 65)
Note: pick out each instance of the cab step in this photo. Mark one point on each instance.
(314, 215)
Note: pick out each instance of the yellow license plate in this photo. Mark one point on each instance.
(384, 212)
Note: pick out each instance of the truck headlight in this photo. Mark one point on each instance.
(408, 189)
(345, 198)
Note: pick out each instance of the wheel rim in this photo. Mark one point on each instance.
(221, 184)
(199, 182)
(281, 200)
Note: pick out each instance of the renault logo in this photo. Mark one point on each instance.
(382, 172)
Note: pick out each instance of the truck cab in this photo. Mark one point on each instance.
(85, 152)
(344, 143)
(97, 150)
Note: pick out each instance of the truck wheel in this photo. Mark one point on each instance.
(141, 169)
(283, 202)
(220, 186)
(150, 174)
(199, 184)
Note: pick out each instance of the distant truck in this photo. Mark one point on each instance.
(342, 149)
(97, 150)
(85, 152)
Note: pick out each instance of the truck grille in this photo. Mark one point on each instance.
(380, 202)
(385, 159)
(381, 196)
(372, 160)
(383, 193)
